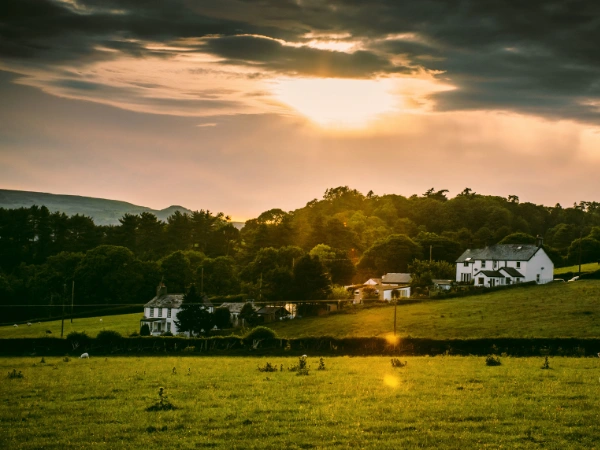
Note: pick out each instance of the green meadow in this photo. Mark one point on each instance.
(585, 268)
(432, 402)
(548, 311)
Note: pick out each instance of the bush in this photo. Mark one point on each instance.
(397, 363)
(260, 333)
(108, 336)
(145, 330)
(167, 333)
(267, 368)
(492, 360)
(78, 339)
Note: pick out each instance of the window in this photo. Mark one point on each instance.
(466, 264)
(495, 264)
(159, 312)
(482, 264)
(151, 312)
(480, 280)
(465, 277)
(168, 326)
(537, 278)
(169, 313)
(518, 264)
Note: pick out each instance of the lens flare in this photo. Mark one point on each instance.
(391, 380)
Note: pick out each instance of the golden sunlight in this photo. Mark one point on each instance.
(339, 103)
(391, 380)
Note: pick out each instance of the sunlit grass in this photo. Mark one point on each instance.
(438, 402)
(125, 324)
(585, 268)
(552, 310)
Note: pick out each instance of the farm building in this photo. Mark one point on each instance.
(505, 264)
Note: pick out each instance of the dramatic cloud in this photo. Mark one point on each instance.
(536, 57)
(236, 103)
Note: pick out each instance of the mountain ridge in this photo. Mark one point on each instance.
(102, 211)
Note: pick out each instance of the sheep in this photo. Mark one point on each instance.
(16, 326)
(100, 320)
(84, 356)
(28, 324)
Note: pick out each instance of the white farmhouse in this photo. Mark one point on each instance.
(160, 313)
(505, 264)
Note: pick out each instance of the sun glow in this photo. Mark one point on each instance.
(339, 103)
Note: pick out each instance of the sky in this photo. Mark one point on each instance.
(243, 106)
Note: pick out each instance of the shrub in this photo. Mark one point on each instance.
(163, 403)
(260, 333)
(301, 368)
(321, 364)
(492, 360)
(267, 368)
(145, 330)
(167, 333)
(546, 364)
(78, 339)
(14, 374)
(108, 336)
(397, 363)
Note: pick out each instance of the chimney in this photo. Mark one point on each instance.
(161, 290)
(539, 241)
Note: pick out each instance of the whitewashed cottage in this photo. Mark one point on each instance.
(499, 265)
(160, 313)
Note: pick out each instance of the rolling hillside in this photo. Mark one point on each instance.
(553, 310)
(102, 211)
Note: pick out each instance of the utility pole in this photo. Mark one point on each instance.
(430, 251)
(72, 298)
(62, 325)
(395, 305)
(202, 280)
(580, 235)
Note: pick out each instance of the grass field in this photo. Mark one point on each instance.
(441, 402)
(125, 324)
(552, 310)
(585, 268)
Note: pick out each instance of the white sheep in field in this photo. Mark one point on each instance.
(84, 356)
(100, 320)
(16, 326)
(28, 324)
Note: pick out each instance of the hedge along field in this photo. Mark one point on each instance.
(435, 402)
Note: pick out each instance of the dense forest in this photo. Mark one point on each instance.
(308, 253)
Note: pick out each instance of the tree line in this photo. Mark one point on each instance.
(309, 253)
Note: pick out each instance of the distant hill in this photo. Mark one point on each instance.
(102, 211)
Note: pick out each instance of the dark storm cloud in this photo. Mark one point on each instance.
(533, 56)
(273, 55)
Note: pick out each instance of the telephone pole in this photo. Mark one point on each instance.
(72, 299)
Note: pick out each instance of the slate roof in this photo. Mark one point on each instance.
(492, 274)
(512, 272)
(165, 301)
(234, 308)
(498, 252)
(172, 301)
(272, 310)
(396, 278)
